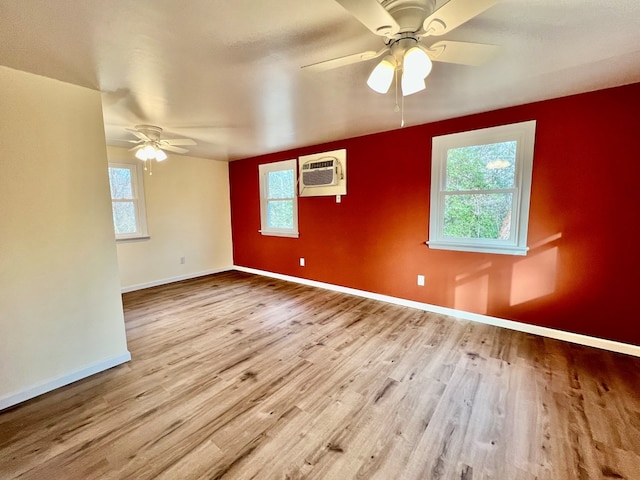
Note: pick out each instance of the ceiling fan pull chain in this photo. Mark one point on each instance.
(402, 111)
(396, 108)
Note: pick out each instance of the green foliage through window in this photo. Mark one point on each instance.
(278, 203)
(481, 167)
(128, 213)
(280, 213)
(478, 216)
(481, 189)
(124, 218)
(281, 184)
(120, 181)
(471, 171)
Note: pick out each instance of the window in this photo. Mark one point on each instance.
(127, 200)
(278, 201)
(480, 189)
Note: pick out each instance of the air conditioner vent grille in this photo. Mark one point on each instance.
(318, 177)
(323, 174)
(323, 164)
(320, 173)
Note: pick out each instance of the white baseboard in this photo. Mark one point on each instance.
(31, 392)
(164, 281)
(577, 338)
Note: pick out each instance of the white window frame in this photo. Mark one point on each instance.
(524, 134)
(264, 170)
(137, 188)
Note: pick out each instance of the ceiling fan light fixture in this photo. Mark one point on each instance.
(143, 154)
(140, 155)
(416, 63)
(411, 84)
(160, 155)
(382, 76)
(149, 151)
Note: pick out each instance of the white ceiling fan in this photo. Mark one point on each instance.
(403, 24)
(151, 145)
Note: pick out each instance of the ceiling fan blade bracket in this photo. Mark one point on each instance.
(453, 14)
(462, 53)
(139, 134)
(371, 55)
(435, 27)
(385, 31)
(177, 141)
(436, 50)
(372, 15)
(346, 60)
(171, 148)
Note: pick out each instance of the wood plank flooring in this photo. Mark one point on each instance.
(236, 376)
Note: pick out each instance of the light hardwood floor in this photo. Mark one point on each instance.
(236, 376)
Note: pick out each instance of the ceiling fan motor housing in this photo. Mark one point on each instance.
(400, 46)
(150, 131)
(410, 14)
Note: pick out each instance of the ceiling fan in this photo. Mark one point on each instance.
(151, 146)
(403, 24)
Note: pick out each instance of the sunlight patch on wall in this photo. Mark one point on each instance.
(534, 277)
(546, 241)
(472, 290)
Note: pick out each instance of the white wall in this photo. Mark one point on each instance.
(60, 305)
(188, 215)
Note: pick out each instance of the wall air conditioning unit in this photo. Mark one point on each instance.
(320, 173)
(323, 174)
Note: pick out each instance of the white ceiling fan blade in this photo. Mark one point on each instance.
(177, 141)
(171, 148)
(138, 134)
(453, 14)
(462, 52)
(342, 61)
(137, 147)
(372, 15)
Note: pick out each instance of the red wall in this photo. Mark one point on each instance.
(580, 272)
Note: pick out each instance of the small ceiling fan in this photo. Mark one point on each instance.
(403, 24)
(151, 146)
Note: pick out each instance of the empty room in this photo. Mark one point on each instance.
(339, 239)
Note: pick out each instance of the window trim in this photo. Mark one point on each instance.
(263, 171)
(137, 188)
(524, 134)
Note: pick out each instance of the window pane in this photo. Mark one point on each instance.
(280, 214)
(124, 217)
(281, 184)
(120, 181)
(481, 167)
(478, 216)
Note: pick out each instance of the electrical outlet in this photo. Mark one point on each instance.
(421, 280)
(302, 261)
(183, 260)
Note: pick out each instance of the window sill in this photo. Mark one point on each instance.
(478, 248)
(279, 234)
(133, 239)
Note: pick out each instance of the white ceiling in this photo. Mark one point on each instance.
(227, 72)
